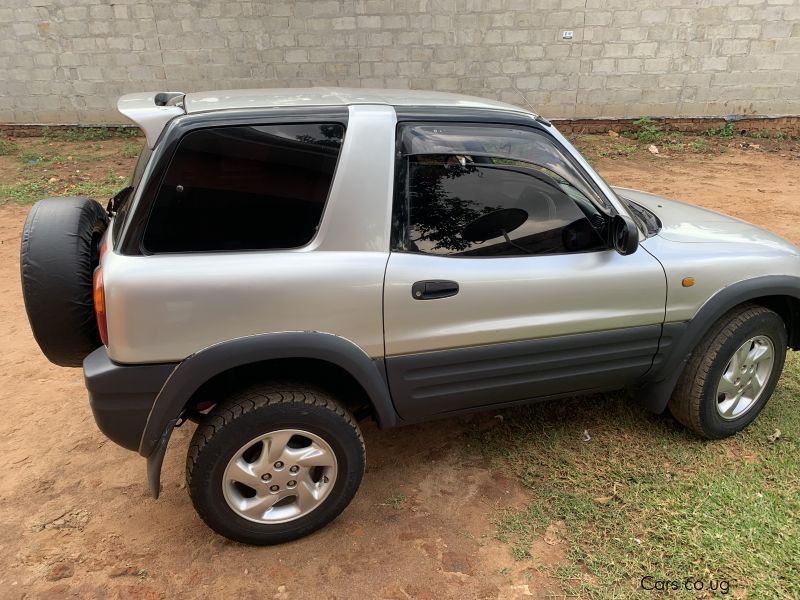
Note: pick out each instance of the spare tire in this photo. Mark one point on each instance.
(60, 250)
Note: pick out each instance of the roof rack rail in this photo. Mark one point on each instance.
(151, 111)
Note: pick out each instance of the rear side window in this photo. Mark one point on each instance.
(136, 178)
(245, 188)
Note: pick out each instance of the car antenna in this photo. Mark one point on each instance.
(516, 89)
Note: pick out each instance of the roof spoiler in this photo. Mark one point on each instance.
(151, 111)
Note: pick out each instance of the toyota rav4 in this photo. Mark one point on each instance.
(288, 262)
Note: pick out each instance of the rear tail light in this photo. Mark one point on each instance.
(99, 295)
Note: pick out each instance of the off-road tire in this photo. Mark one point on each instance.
(694, 400)
(254, 412)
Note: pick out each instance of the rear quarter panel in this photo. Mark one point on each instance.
(166, 307)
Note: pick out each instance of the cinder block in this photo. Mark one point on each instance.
(748, 31)
(739, 13)
(630, 65)
(653, 16)
(776, 29)
(603, 65)
(645, 49)
(145, 11)
(296, 56)
(615, 50)
(343, 23)
(734, 47)
(598, 18)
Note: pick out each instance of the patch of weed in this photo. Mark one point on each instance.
(88, 134)
(101, 189)
(131, 150)
(647, 130)
(30, 157)
(7, 148)
(723, 131)
(520, 553)
(623, 150)
(24, 192)
(397, 501)
(699, 145)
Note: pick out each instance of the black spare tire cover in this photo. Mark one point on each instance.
(60, 250)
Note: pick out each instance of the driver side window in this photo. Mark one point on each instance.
(477, 190)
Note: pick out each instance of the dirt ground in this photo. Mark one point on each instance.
(76, 518)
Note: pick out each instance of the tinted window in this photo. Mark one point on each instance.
(245, 188)
(482, 142)
(136, 178)
(479, 201)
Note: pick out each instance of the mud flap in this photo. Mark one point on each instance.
(156, 459)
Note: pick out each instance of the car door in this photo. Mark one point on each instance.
(500, 286)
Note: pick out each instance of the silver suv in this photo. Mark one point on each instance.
(288, 262)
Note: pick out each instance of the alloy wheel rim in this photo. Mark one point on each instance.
(279, 476)
(745, 377)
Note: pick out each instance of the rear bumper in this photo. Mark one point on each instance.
(121, 396)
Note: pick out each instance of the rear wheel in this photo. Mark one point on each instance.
(732, 373)
(274, 463)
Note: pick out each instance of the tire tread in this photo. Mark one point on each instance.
(241, 403)
(686, 400)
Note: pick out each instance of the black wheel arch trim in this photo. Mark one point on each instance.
(656, 387)
(198, 368)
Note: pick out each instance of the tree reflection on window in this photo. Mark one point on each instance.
(439, 217)
(450, 193)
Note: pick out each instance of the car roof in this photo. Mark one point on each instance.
(151, 111)
(332, 96)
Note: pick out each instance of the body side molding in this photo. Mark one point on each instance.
(680, 339)
(443, 382)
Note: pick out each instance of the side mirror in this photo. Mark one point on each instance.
(624, 235)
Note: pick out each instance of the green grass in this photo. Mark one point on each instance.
(51, 166)
(24, 192)
(723, 131)
(763, 134)
(397, 501)
(698, 146)
(645, 497)
(647, 130)
(101, 189)
(7, 148)
(35, 188)
(618, 149)
(131, 149)
(38, 158)
(88, 134)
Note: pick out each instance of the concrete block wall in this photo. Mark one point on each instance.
(66, 61)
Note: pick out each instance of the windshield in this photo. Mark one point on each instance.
(122, 199)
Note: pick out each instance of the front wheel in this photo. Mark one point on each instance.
(274, 463)
(732, 373)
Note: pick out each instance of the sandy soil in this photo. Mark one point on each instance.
(76, 519)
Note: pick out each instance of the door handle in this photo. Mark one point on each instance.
(433, 288)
